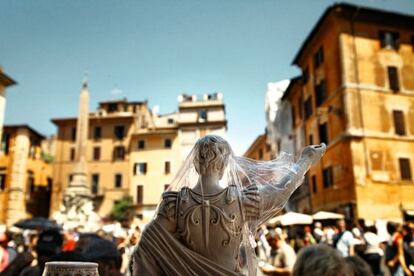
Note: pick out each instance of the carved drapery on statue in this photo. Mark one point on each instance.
(199, 232)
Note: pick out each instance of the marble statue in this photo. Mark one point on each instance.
(205, 223)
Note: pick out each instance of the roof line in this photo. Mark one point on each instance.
(350, 7)
(28, 127)
(6, 80)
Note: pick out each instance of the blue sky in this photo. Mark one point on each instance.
(154, 50)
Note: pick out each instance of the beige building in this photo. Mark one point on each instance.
(5, 81)
(133, 152)
(25, 178)
(260, 149)
(356, 94)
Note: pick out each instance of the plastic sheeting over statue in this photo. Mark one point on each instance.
(206, 221)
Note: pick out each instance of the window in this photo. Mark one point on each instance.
(320, 92)
(314, 184)
(412, 41)
(268, 148)
(49, 184)
(5, 143)
(73, 134)
(95, 183)
(30, 185)
(393, 78)
(96, 153)
(167, 167)
(260, 154)
(119, 132)
(293, 116)
(140, 194)
(32, 151)
(72, 154)
(166, 186)
(305, 75)
(300, 108)
(323, 133)
(141, 144)
(170, 121)
(399, 123)
(112, 107)
(318, 58)
(390, 40)
(310, 138)
(167, 143)
(405, 168)
(308, 107)
(140, 168)
(70, 178)
(2, 179)
(327, 174)
(118, 180)
(119, 153)
(97, 133)
(202, 115)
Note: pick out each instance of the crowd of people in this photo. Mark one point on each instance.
(337, 249)
(25, 253)
(329, 249)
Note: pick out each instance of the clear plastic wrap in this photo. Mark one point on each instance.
(217, 201)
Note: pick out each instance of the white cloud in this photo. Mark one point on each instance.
(116, 91)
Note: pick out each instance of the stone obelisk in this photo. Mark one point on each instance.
(79, 184)
(77, 207)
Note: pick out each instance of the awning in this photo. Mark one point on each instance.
(322, 215)
(410, 212)
(291, 218)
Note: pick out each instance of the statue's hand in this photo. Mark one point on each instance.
(313, 153)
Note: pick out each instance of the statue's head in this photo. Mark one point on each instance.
(211, 155)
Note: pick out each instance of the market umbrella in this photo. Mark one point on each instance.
(291, 218)
(37, 223)
(322, 215)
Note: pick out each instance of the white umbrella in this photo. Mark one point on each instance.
(292, 218)
(322, 215)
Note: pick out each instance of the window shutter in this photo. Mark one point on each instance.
(405, 168)
(399, 123)
(314, 184)
(323, 133)
(393, 78)
(308, 107)
(140, 194)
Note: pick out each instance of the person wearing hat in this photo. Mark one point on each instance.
(48, 245)
(101, 251)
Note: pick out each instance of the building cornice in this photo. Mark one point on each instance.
(5, 80)
(360, 14)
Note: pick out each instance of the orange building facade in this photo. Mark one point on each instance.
(260, 149)
(25, 176)
(356, 94)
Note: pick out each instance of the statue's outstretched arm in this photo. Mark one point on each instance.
(272, 197)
